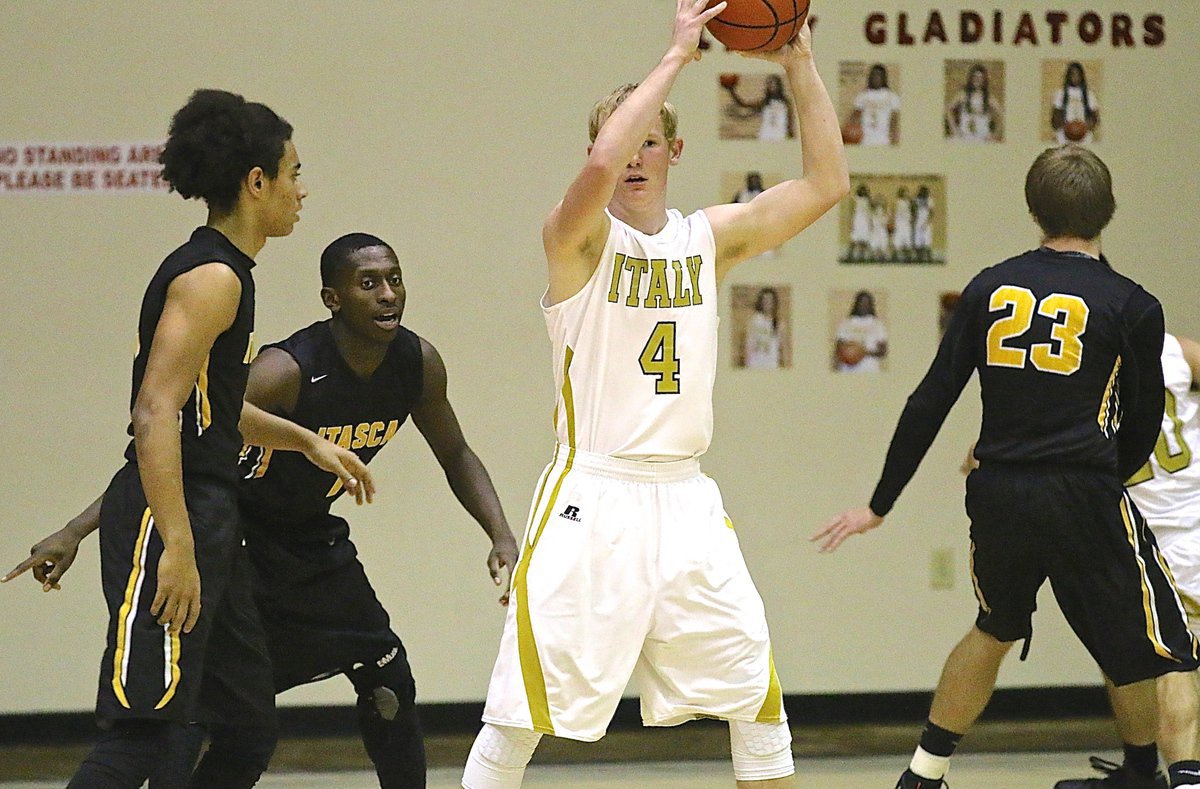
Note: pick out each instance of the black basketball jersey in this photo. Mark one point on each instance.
(208, 422)
(284, 487)
(1068, 357)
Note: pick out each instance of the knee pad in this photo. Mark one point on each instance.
(386, 703)
(761, 751)
(388, 692)
(498, 757)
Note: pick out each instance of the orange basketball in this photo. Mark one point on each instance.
(852, 133)
(758, 25)
(1075, 130)
(851, 353)
(729, 80)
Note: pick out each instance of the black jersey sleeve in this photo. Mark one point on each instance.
(1141, 383)
(929, 404)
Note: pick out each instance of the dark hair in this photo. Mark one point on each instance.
(1069, 192)
(214, 140)
(969, 90)
(758, 304)
(336, 258)
(882, 71)
(869, 309)
(1088, 113)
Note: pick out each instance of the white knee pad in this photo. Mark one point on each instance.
(498, 757)
(761, 751)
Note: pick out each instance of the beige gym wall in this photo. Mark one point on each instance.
(450, 129)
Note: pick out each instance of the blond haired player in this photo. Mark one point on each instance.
(630, 565)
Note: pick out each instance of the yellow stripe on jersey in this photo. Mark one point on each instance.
(568, 397)
(531, 665)
(1153, 633)
(261, 465)
(171, 650)
(337, 486)
(772, 708)
(250, 349)
(127, 613)
(987, 609)
(203, 406)
(1109, 417)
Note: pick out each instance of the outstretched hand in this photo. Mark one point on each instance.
(49, 559)
(799, 48)
(502, 561)
(353, 473)
(690, 18)
(837, 529)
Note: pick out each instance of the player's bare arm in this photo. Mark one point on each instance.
(200, 305)
(574, 233)
(748, 229)
(468, 479)
(52, 556)
(272, 389)
(1191, 353)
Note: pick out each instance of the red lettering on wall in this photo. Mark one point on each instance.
(1056, 20)
(903, 37)
(1156, 30)
(934, 29)
(970, 27)
(876, 29)
(997, 27)
(1025, 31)
(1090, 27)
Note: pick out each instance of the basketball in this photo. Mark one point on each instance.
(852, 133)
(729, 80)
(1075, 130)
(758, 25)
(851, 353)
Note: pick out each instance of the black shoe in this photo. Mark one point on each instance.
(910, 780)
(1115, 775)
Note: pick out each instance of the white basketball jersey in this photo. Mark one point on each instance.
(635, 351)
(1167, 488)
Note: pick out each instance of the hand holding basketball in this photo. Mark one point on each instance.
(758, 25)
(690, 18)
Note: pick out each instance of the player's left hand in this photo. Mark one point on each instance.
(836, 530)
(49, 559)
(501, 562)
(800, 47)
(353, 473)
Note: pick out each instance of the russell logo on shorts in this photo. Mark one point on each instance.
(571, 513)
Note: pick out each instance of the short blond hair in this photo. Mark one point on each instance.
(607, 105)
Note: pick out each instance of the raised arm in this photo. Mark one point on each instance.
(468, 479)
(271, 393)
(749, 229)
(574, 233)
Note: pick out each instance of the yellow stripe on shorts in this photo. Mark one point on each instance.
(1153, 632)
(772, 708)
(126, 614)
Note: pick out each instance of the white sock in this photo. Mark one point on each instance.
(926, 765)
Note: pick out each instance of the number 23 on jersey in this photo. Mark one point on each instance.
(1069, 313)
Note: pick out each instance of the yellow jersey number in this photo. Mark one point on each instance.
(1070, 316)
(1169, 460)
(658, 358)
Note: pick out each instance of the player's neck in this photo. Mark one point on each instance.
(1089, 247)
(649, 218)
(363, 358)
(241, 232)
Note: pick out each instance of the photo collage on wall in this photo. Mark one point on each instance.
(891, 217)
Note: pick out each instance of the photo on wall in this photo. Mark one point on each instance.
(974, 101)
(858, 332)
(742, 186)
(762, 317)
(894, 219)
(869, 102)
(1071, 91)
(755, 107)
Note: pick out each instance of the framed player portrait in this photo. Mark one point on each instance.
(974, 101)
(868, 104)
(742, 186)
(893, 219)
(762, 318)
(1071, 91)
(755, 107)
(858, 330)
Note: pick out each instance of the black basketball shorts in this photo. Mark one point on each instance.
(220, 672)
(320, 613)
(1080, 530)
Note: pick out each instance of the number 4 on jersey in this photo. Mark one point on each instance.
(658, 358)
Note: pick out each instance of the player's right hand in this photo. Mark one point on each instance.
(690, 18)
(49, 559)
(837, 529)
(353, 473)
(177, 602)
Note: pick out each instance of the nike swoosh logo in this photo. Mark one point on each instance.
(316, 378)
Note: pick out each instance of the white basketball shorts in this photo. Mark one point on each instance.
(1180, 548)
(630, 569)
